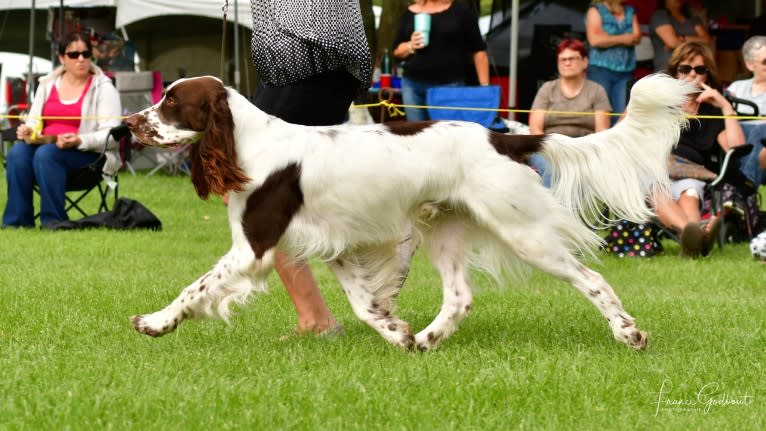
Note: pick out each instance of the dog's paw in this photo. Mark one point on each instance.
(399, 334)
(153, 325)
(638, 340)
(428, 341)
(625, 330)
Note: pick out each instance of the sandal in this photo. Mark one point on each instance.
(692, 240)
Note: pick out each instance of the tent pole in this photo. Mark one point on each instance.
(235, 28)
(30, 77)
(61, 20)
(512, 68)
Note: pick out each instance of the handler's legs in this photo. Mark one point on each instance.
(313, 314)
(297, 103)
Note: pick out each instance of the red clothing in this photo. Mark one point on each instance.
(54, 108)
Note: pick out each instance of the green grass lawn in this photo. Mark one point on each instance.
(532, 355)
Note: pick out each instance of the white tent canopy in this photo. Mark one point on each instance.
(130, 11)
(45, 4)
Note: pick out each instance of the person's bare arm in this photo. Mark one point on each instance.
(599, 38)
(636, 30)
(408, 47)
(537, 122)
(481, 62)
(732, 135)
(702, 34)
(669, 37)
(602, 120)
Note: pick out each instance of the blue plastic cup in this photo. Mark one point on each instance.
(423, 25)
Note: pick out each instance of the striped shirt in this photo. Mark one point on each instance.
(295, 39)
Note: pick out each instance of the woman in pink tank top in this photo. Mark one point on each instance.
(67, 130)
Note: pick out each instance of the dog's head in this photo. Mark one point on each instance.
(195, 111)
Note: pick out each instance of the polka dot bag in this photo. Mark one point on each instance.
(628, 239)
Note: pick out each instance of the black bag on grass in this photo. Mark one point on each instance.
(628, 239)
(126, 214)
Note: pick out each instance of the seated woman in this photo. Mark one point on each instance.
(753, 166)
(83, 105)
(693, 61)
(568, 96)
(571, 92)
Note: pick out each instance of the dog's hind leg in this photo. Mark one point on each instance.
(231, 280)
(594, 287)
(446, 247)
(540, 246)
(371, 279)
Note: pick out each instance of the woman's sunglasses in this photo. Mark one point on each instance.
(74, 55)
(685, 69)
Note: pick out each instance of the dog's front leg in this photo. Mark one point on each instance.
(232, 279)
(372, 279)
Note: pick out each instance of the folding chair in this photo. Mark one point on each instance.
(742, 107)
(16, 100)
(729, 182)
(485, 100)
(735, 196)
(174, 160)
(81, 183)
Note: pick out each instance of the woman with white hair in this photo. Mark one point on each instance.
(753, 89)
(753, 166)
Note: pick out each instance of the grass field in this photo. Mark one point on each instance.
(532, 355)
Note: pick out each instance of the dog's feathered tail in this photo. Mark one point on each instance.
(620, 167)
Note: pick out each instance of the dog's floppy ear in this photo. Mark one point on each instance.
(214, 158)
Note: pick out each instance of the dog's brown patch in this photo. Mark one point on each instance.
(408, 128)
(270, 208)
(517, 147)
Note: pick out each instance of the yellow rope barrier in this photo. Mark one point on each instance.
(394, 107)
(394, 111)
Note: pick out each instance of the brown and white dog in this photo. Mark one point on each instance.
(361, 198)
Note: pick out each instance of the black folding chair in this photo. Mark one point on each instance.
(90, 178)
(84, 181)
(727, 174)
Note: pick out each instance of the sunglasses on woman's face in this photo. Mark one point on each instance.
(686, 69)
(74, 55)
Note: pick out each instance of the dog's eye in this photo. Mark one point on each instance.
(170, 100)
